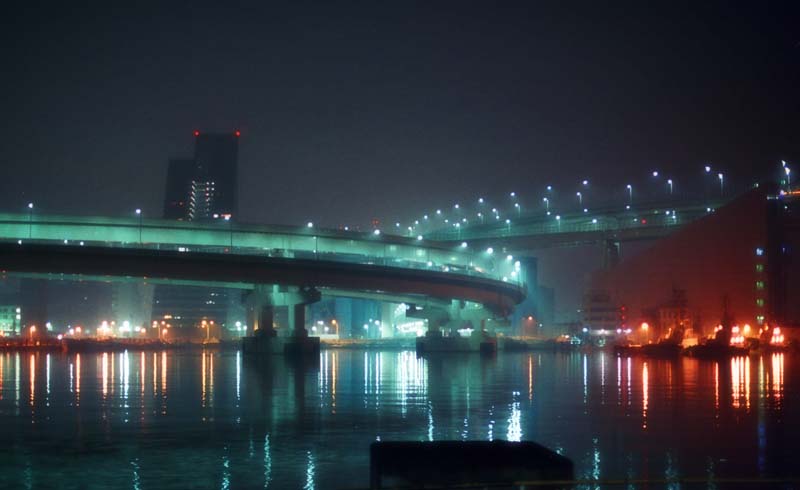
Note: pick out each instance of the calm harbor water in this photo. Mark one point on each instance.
(145, 420)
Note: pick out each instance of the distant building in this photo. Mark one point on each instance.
(180, 175)
(10, 320)
(214, 186)
(202, 188)
(744, 252)
(600, 312)
(206, 186)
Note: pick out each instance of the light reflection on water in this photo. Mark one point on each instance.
(219, 419)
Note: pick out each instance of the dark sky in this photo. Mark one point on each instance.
(350, 111)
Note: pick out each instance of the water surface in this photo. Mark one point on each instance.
(174, 419)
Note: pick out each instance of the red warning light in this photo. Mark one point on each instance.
(196, 132)
(237, 133)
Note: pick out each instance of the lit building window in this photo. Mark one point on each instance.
(760, 319)
(760, 302)
(759, 284)
(759, 251)
(759, 267)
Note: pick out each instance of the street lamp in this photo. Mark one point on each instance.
(669, 183)
(519, 209)
(580, 198)
(788, 178)
(139, 214)
(230, 228)
(721, 183)
(546, 204)
(708, 169)
(655, 173)
(30, 220)
(630, 193)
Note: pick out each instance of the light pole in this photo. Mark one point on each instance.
(721, 183)
(139, 214)
(669, 183)
(630, 194)
(30, 220)
(580, 198)
(546, 204)
(230, 229)
(788, 178)
(519, 209)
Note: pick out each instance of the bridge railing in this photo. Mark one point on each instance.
(228, 238)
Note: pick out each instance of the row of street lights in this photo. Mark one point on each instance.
(547, 200)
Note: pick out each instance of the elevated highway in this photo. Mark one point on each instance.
(258, 258)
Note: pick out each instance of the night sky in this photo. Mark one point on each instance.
(350, 111)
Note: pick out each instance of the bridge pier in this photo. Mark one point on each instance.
(261, 303)
(456, 314)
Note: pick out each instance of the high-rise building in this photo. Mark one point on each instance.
(214, 192)
(201, 188)
(204, 187)
(180, 175)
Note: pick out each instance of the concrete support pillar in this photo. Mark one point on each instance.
(387, 320)
(261, 304)
(266, 320)
(436, 316)
(297, 320)
(262, 301)
(258, 302)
